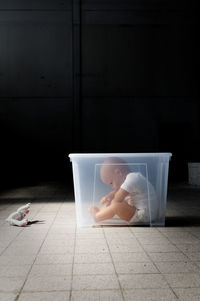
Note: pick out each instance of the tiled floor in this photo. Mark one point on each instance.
(55, 261)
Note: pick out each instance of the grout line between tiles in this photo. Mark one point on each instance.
(70, 294)
(179, 249)
(19, 293)
(154, 264)
(121, 289)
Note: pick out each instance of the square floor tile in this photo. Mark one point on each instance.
(165, 230)
(164, 294)
(144, 229)
(93, 230)
(196, 234)
(14, 271)
(45, 296)
(160, 248)
(57, 249)
(93, 269)
(92, 258)
(48, 284)
(95, 282)
(54, 258)
(184, 240)
(155, 240)
(188, 294)
(125, 248)
(142, 281)
(17, 260)
(177, 267)
(43, 270)
(135, 268)
(194, 256)
(4, 244)
(90, 248)
(13, 284)
(178, 235)
(122, 241)
(61, 230)
(96, 236)
(130, 257)
(150, 235)
(13, 250)
(104, 295)
(185, 280)
(198, 264)
(168, 256)
(188, 248)
(7, 297)
(51, 242)
(68, 237)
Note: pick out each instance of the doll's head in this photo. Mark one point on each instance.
(114, 171)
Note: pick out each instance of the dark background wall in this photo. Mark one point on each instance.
(96, 76)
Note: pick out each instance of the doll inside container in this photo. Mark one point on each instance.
(130, 196)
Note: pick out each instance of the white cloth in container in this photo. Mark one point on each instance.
(139, 191)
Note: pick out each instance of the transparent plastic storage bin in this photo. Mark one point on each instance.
(151, 168)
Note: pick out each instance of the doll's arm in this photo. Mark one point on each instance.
(108, 198)
(120, 196)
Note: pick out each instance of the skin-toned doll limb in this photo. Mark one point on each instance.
(122, 209)
(117, 207)
(106, 200)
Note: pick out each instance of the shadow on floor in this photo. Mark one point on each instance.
(182, 221)
(48, 191)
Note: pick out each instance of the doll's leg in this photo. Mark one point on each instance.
(104, 213)
(93, 210)
(124, 210)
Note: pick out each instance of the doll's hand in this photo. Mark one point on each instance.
(106, 200)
